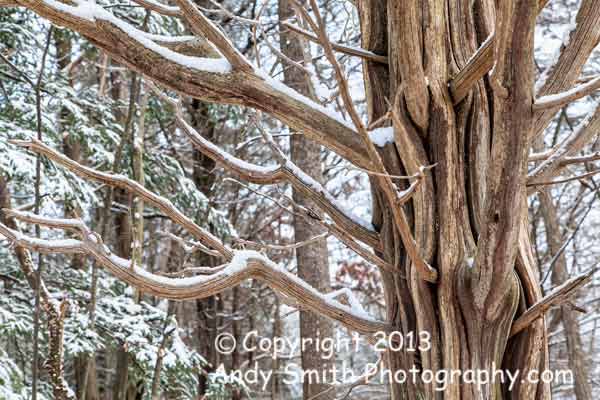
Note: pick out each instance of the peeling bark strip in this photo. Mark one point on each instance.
(454, 250)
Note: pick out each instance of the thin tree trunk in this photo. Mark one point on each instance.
(55, 312)
(560, 274)
(312, 260)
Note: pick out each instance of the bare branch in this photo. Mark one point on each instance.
(353, 51)
(160, 8)
(287, 171)
(333, 229)
(558, 296)
(120, 181)
(565, 180)
(284, 247)
(564, 98)
(191, 247)
(243, 265)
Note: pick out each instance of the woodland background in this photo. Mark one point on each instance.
(96, 111)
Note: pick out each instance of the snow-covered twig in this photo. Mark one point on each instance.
(569, 96)
(244, 264)
(120, 181)
(564, 180)
(286, 171)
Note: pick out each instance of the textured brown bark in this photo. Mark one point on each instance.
(476, 186)
(311, 260)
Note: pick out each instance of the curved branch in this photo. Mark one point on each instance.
(204, 78)
(120, 181)
(287, 171)
(554, 101)
(243, 265)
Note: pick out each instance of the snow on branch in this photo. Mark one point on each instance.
(556, 297)
(120, 181)
(201, 75)
(564, 98)
(159, 8)
(243, 265)
(286, 171)
(91, 12)
(202, 26)
(558, 157)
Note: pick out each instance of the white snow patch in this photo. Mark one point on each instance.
(278, 86)
(91, 11)
(382, 136)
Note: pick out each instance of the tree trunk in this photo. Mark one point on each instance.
(577, 364)
(312, 260)
(469, 216)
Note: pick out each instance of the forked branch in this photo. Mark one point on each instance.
(242, 266)
(120, 181)
(202, 26)
(286, 171)
(559, 295)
